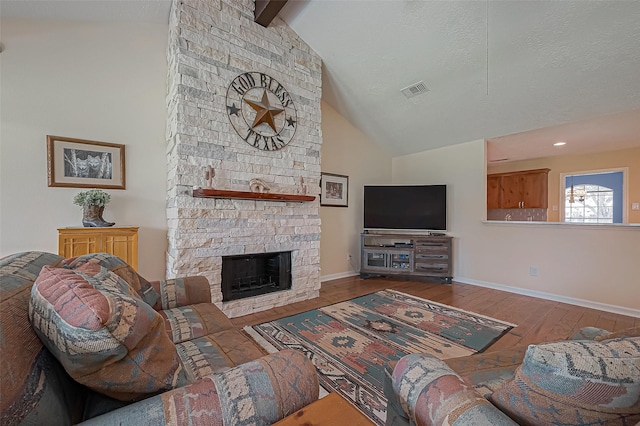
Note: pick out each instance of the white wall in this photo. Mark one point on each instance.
(347, 151)
(96, 81)
(577, 264)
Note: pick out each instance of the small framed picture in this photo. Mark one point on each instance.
(80, 163)
(334, 190)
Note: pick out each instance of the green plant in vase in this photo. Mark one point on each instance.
(93, 202)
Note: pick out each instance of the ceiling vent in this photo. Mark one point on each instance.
(415, 90)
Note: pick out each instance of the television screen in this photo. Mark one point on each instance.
(405, 207)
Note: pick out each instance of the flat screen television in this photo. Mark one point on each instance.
(419, 207)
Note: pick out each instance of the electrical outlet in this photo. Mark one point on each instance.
(533, 271)
(349, 257)
(635, 206)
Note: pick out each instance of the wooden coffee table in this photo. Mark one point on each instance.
(333, 409)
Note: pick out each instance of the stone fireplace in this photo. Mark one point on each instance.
(211, 43)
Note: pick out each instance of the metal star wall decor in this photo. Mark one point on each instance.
(233, 109)
(264, 111)
(266, 116)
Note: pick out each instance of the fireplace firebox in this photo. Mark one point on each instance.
(255, 274)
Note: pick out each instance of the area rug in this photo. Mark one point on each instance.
(351, 342)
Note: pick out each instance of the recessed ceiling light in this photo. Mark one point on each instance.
(559, 143)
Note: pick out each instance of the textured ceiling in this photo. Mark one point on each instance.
(493, 68)
(606, 133)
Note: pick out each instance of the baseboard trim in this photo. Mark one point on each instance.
(622, 310)
(324, 278)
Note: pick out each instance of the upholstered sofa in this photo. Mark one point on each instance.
(593, 379)
(89, 340)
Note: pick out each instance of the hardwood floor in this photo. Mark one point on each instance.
(537, 320)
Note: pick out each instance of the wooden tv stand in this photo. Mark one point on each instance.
(406, 254)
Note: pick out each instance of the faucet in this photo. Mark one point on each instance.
(507, 216)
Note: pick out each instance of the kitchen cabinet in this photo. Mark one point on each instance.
(518, 190)
(493, 192)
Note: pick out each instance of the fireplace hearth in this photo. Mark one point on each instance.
(255, 274)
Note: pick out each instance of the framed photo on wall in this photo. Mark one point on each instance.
(334, 190)
(79, 163)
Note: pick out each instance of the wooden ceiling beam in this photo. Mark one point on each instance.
(267, 10)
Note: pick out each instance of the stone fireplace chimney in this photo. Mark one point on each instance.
(211, 43)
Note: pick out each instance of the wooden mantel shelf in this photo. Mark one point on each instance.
(246, 195)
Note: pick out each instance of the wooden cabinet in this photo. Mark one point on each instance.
(493, 192)
(411, 255)
(121, 242)
(518, 190)
(433, 257)
(536, 190)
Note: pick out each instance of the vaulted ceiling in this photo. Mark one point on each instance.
(489, 68)
(493, 68)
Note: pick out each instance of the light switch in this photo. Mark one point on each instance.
(635, 206)
(554, 208)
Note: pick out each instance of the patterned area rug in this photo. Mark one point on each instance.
(351, 342)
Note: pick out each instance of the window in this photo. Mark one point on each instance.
(593, 198)
(590, 204)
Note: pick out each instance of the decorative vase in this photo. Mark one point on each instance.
(92, 217)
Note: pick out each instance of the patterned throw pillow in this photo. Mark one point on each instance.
(119, 267)
(104, 336)
(575, 382)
